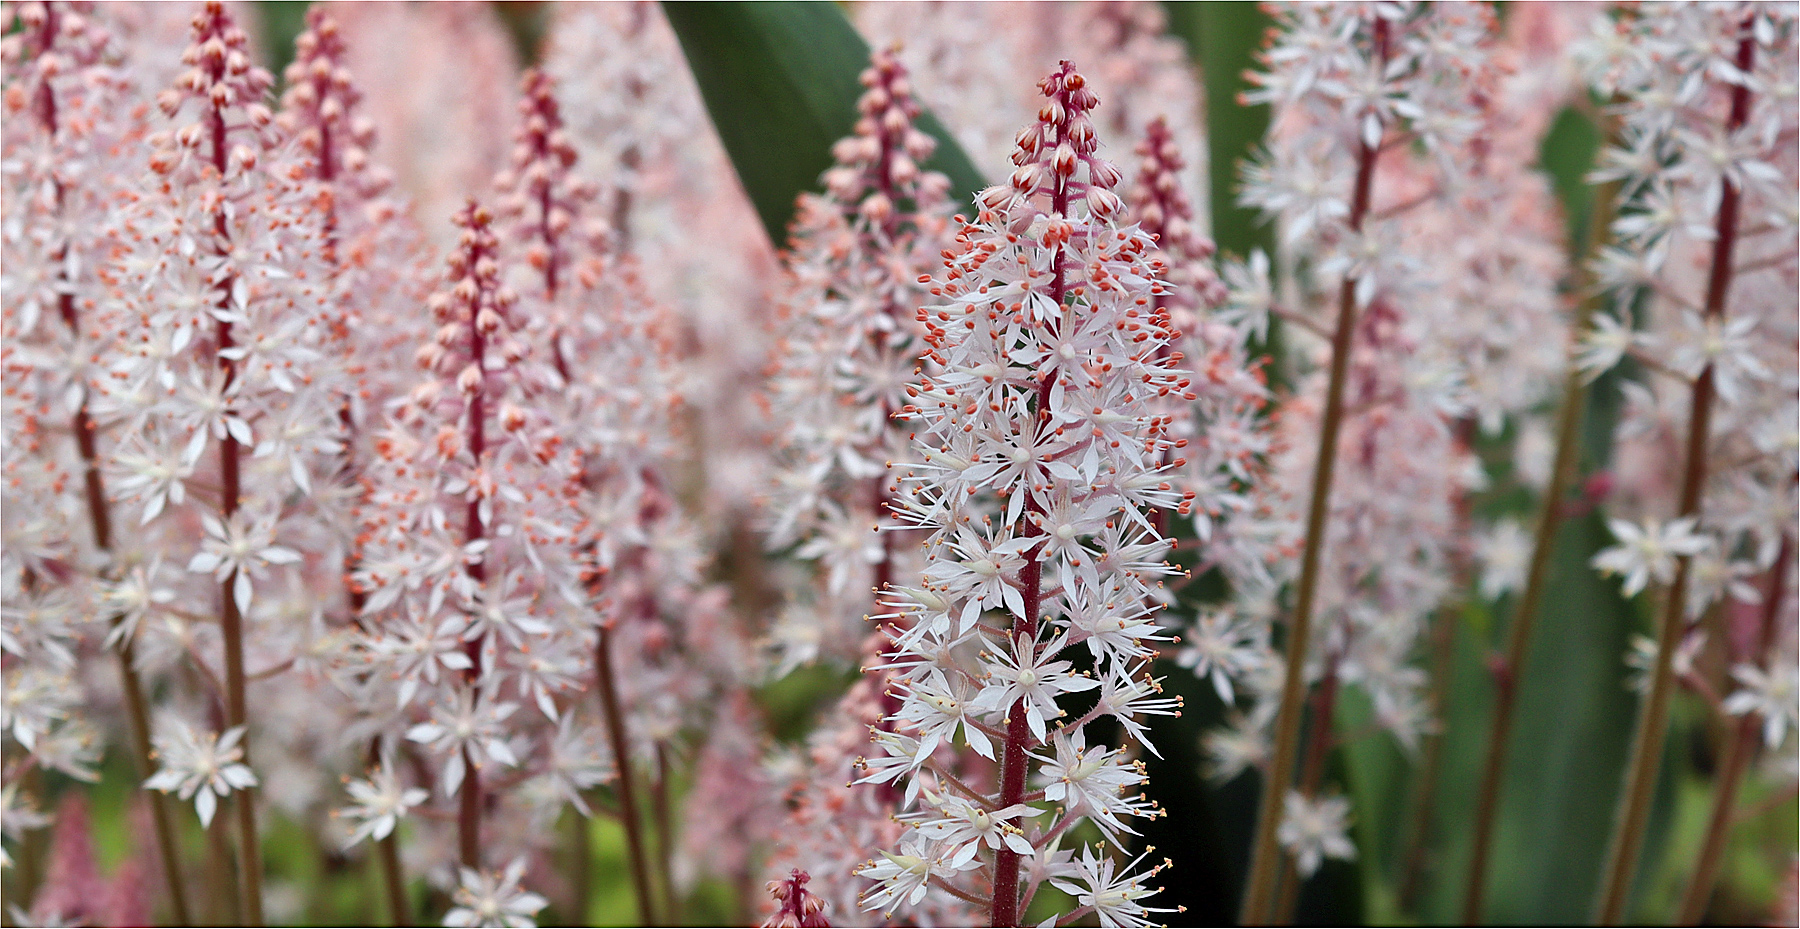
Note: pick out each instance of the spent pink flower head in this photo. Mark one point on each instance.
(797, 906)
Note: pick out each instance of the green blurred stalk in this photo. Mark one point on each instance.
(1562, 475)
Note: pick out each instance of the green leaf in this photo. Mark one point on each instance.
(780, 80)
(1222, 39)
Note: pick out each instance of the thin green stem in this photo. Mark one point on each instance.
(1653, 717)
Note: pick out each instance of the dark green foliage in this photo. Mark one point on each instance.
(780, 82)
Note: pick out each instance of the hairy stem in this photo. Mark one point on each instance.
(1653, 717)
(1259, 894)
(1744, 737)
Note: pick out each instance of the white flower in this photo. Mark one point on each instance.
(1220, 647)
(206, 767)
(1092, 782)
(1028, 674)
(1230, 750)
(906, 876)
(237, 548)
(466, 728)
(131, 598)
(1504, 551)
(960, 827)
(494, 900)
(1604, 344)
(1112, 891)
(1728, 345)
(381, 802)
(1641, 659)
(1771, 694)
(1313, 830)
(1649, 553)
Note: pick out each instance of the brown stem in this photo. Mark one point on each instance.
(1418, 843)
(1653, 717)
(100, 521)
(621, 751)
(388, 850)
(468, 815)
(665, 830)
(1312, 770)
(1737, 757)
(137, 709)
(581, 863)
(1259, 894)
(227, 907)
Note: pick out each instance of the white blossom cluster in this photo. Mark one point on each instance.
(849, 347)
(221, 400)
(59, 161)
(1357, 90)
(1041, 449)
(1704, 95)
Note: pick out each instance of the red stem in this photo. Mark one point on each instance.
(1013, 761)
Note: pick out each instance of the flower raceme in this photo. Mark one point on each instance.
(1041, 441)
(849, 345)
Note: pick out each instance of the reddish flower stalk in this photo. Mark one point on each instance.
(1069, 101)
(1259, 893)
(1653, 717)
(855, 259)
(223, 76)
(319, 109)
(477, 286)
(1743, 739)
(546, 201)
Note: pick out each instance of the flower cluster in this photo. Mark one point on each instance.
(62, 161)
(1703, 176)
(849, 347)
(1042, 443)
(1353, 90)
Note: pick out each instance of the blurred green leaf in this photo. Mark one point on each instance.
(780, 80)
(1222, 38)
